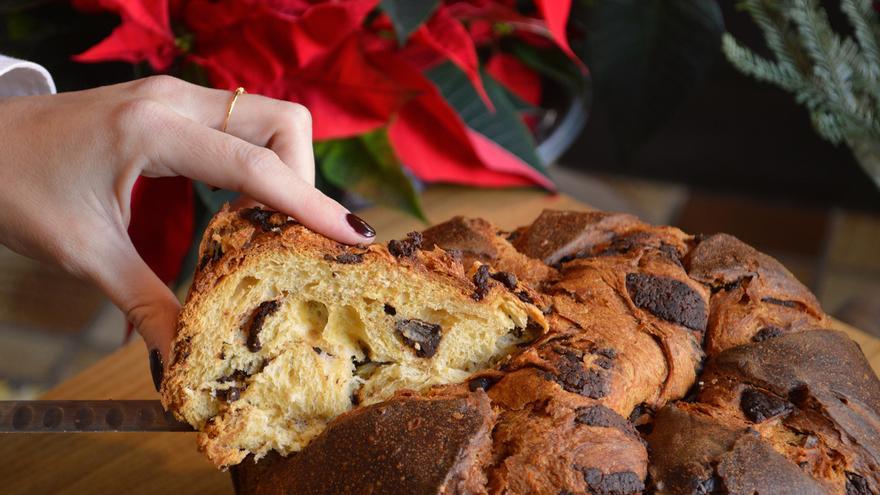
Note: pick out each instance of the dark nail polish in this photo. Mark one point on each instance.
(156, 368)
(360, 226)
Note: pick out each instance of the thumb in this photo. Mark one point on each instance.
(148, 304)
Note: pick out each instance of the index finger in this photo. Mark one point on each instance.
(179, 146)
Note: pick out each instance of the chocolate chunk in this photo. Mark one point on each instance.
(758, 406)
(670, 251)
(730, 285)
(355, 400)
(230, 394)
(573, 377)
(406, 248)
(389, 309)
(622, 483)
(710, 486)
(346, 258)
(781, 302)
(507, 279)
(236, 376)
(214, 253)
(255, 324)
(525, 297)
(767, 333)
(260, 218)
(318, 350)
(856, 484)
(604, 362)
(481, 283)
(669, 299)
(422, 336)
(599, 415)
(481, 383)
(609, 352)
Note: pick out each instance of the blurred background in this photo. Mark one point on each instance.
(662, 124)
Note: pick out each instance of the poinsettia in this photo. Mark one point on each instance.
(370, 72)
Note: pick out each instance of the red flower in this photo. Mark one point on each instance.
(349, 72)
(145, 33)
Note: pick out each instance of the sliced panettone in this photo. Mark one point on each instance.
(284, 329)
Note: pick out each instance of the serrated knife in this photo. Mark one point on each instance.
(65, 416)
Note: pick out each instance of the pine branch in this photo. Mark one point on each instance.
(836, 77)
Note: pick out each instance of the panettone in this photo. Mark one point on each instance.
(587, 352)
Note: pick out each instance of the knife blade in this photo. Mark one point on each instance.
(64, 416)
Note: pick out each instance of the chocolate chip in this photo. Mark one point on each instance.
(781, 302)
(355, 400)
(710, 486)
(231, 394)
(255, 323)
(525, 297)
(641, 415)
(507, 279)
(758, 406)
(856, 484)
(260, 218)
(622, 483)
(318, 350)
(405, 248)
(667, 298)
(389, 309)
(236, 376)
(599, 415)
(214, 253)
(604, 362)
(670, 252)
(481, 283)
(729, 286)
(481, 383)
(422, 336)
(767, 333)
(609, 352)
(573, 377)
(346, 258)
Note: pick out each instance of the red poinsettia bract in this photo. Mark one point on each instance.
(340, 60)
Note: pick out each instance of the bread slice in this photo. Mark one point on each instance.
(284, 329)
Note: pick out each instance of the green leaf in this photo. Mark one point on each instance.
(408, 15)
(367, 166)
(551, 63)
(645, 57)
(504, 126)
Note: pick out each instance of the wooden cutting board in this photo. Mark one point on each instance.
(168, 463)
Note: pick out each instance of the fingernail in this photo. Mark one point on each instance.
(156, 368)
(360, 226)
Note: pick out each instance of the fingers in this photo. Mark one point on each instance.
(183, 147)
(283, 127)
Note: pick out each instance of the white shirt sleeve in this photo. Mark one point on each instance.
(22, 78)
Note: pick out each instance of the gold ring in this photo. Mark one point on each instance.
(235, 94)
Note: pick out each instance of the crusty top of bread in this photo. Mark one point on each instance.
(592, 326)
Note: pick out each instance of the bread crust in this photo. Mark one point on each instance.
(702, 348)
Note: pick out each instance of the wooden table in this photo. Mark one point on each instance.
(160, 463)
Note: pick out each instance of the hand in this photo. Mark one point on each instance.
(68, 163)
